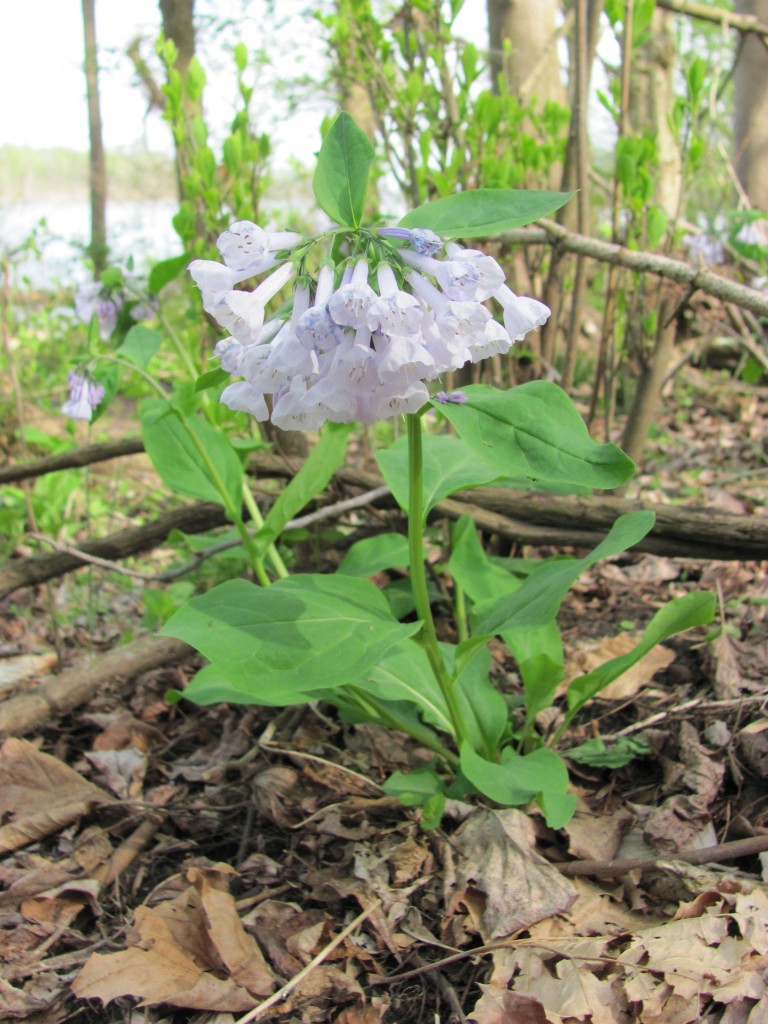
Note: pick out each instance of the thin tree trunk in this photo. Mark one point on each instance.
(751, 109)
(98, 168)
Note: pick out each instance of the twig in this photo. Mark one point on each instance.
(689, 705)
(549, 232)
(328, 512)
(285, 991)
(718, 15)
(708, 855)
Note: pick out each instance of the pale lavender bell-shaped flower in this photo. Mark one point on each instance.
(85, 394)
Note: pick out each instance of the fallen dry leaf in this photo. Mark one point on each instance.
(39, 794)
(500, 878)
(594, 836)
(507, 1008)
(592, 655)
(181, 950)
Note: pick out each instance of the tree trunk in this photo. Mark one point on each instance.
(652, 97)
(97, 165)
(523, 49)
(179, 25)
(751, 110)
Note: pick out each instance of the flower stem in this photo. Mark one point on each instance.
(258, 519)
(416, 523)
(376, 711)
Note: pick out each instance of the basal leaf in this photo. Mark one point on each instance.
(484, 211)
(534, 430)
(538, 599)
(340, 181)
(682, 613)
(300, 635)
(540, 775)
(404, 674)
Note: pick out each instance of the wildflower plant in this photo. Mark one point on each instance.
(376, 317)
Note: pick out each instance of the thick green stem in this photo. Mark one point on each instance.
(416, 523)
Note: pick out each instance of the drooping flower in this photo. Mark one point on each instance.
(364, 335)
(85, 394)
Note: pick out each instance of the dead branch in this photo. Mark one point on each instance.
(709, 855)
(26, 572)
(697, 277)
(77, 685)
(718, 15)
(75, 459)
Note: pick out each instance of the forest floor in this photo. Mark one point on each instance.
(184, 864)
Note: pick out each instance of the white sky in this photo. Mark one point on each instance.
(42, 84)
(41, 67)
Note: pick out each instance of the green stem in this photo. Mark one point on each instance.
(234, 514)
(375, 711)
(416, 522)
(460, 612)
(274, 555)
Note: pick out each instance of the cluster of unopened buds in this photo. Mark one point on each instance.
(363, 336)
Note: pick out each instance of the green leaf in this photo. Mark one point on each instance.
(683, 613)
(538, 651)
(215, 378)
(596, 754)
(300, 635)
(140, 345)
(484, 211)
(175, 445)
(340, 181)
(404, 674)
(422, 788)
(209, 686)
(535, 430)
(322, 462)
(449, 465)
(539, 598)
(366, 557)
(540, 775)
(483, 709)
(165, 271)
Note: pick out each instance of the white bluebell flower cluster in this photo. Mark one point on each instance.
(364, 336)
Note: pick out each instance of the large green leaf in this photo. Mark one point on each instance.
(165, 271)
(341, 176)
(449, 465)
(534, 430)
(682, 613)
(323, 461)
(191, 456)
(484, 211)
(209, 685)
(538, 600)
(299, 635)
(404, 674)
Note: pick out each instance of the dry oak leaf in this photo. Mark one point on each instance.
(496, 1007)
(190, 952)
(39, 794)
(592, 655)
(501, 879)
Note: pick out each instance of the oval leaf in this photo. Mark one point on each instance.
(484, 211)
(534, 430)
(340, 181)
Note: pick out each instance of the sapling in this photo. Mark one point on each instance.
(388, 312)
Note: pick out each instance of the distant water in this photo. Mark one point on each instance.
(140, 229)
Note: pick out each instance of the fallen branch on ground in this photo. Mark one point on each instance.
(77, 685)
